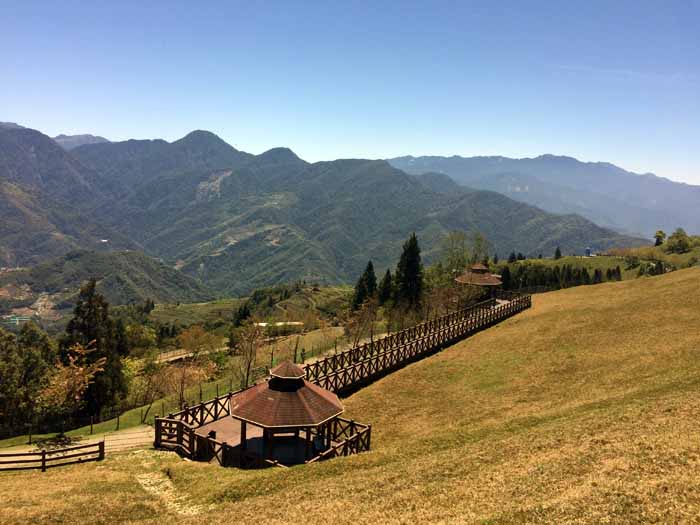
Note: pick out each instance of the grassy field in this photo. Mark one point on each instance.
(309, 302)
(582, 409)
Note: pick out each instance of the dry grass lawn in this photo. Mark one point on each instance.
(583, 409)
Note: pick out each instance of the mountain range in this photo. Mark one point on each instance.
(237, 221)
(602, 192)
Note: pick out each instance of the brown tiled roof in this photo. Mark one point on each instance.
(479, 279)
(478, 267)
(288, 370)
(286, 402)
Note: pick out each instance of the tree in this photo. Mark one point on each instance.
(479, 247)
(557, 253)
(359, 296)
(512, 258)
(678, 242)
(232, 340)
(365, 288)
(92, 327)
(409, 275)
(241, 314)
(659, 237)
(495, 258)
(69, 382)
(385, 288)
(506, 278)
(370, 279)
(250, 337)
(196, 366)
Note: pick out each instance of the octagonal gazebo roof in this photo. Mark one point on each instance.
(478, 275)
(286, 400)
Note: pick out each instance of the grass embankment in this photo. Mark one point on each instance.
(582, 409)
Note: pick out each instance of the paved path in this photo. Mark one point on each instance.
(117, 441)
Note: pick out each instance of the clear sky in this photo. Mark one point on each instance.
(616, 81)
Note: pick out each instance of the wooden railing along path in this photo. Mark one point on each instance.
(339, 373)
(353, 368)
(44, 459)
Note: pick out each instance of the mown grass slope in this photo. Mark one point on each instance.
(582, 409)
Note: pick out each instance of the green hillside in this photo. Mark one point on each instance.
(274, 218)
(600, 191)
(123, 278)
(238, 221)
(580, 410)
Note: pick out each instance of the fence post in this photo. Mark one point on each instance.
(43, 460)
(91, 421)
(117, 421)
(158, 424)
(101, 454)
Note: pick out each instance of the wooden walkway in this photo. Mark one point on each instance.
(187, 430)
(349, 370)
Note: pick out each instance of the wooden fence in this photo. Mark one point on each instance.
(355, 367)
(44, 459)
(339, 373)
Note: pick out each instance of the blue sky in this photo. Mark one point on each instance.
(612, 81)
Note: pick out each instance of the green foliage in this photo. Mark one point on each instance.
(659, 237)
(92, 326)
(409, 275)
(25, 360)
(386, 287)
(678, 242)
(557, 253)
(365, 288)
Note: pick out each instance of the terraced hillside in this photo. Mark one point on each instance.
(582, 409)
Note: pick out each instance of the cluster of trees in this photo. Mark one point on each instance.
(536, 275)
(404, 288)
(88, 370)
(678, 242)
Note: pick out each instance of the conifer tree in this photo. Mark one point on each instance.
(360, 294)
(506, 278)
(495, 258)
(370, 279)
(557, 253)
(512, 258)
(385, 288)
(92, 327)
(409, 274)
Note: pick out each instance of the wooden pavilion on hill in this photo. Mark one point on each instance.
(479, 275)
(285, 420)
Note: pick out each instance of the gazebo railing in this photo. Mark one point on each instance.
(341, 372)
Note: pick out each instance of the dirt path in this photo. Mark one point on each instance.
(117, 441)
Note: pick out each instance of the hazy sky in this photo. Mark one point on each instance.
(614, 81)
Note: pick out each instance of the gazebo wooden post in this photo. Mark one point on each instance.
(308, 443)
(328, 435)
(244, 443)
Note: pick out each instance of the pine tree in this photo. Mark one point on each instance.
(92, 327)
(512, 258)
(506, 278)
(370, 279)
(557, 253)
(360, 294)
(385, 288)
(495, 258)
(409, 274)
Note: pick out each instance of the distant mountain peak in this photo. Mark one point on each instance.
(10, 125)
(280, 154)
(69, 142)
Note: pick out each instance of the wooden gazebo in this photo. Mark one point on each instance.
(479, 276)
(284, 407)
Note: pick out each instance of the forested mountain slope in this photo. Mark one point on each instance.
(600, 191)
